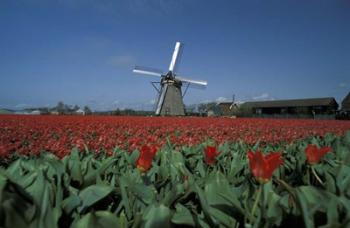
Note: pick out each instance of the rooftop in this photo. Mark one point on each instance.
(326, 101)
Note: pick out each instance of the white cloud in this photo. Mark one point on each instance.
(22, 105)
(205, 101)
(217, 100)
(116, 102)
(263, 96)
(222, 99)
(342, 85)
(122, 60)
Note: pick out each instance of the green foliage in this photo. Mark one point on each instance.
(95, 190)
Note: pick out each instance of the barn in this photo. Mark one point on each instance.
(303, 108)
(345, 105)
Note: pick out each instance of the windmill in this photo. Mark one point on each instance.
(233, 105)
(170, 96)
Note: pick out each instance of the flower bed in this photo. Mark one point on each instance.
(59, 134)
(303, 183)
(143, 171)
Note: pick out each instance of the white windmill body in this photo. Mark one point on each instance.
(170, 96)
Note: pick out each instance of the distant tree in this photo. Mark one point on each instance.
(60, 107)
(190, 108)
(214, 108)
(68, 109)
(128, 112)
(202, 108)
(44, 111)
(87, 110)
(76, 108)
(211, 106)
(116, 112)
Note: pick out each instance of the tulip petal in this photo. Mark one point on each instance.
(314, 155)
(262, 166)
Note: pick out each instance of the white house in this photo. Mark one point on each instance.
(80, 112)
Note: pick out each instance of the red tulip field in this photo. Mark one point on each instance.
(94, 171)
(59, 134)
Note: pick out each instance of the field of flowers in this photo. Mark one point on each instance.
(59, 134)
(70, 171)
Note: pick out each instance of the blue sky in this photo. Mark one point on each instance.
(82, 51)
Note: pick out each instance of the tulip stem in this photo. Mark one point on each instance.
(317, 177)
(263, 201)
(256, 201)
(287, 187)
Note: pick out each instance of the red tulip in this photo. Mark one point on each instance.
(314, 155)
(80, 144)
(210, 154)
(262, 166)
(147, 153)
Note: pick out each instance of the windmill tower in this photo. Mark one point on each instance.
(170, 96)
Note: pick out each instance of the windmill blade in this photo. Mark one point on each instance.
(147, 70)
(176, 57)
(198, 82)
(161, 98)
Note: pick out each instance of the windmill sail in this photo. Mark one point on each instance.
(176, 57)
(147, 71)
(161, 98)
(199, 82)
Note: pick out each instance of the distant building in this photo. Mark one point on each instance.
(80, 112)
(212, 109)
(211, 113)
(225, 108)
(35, 112)
(54, 112)
(308, 108)
(344, 112)
(21, 112)
(228, 108)
(222, 109)
(345, 105)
